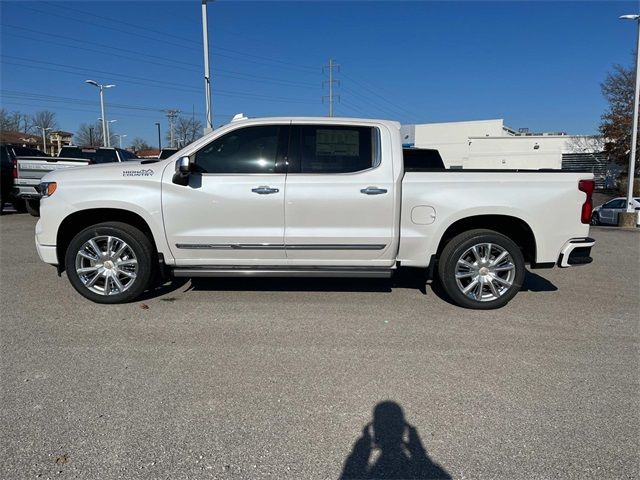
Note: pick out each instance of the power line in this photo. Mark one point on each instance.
(120, 21)
(386, 111)
(375, 93)
(282, 63)
(167, 62)
(174, 86)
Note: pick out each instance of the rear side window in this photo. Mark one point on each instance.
(245, 150)
(336, 149)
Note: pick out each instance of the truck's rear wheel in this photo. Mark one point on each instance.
(33, 207)
(19, 204)
(109, 262)
(481, 269)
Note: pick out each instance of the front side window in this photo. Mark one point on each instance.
(246, 150)
(336, 149)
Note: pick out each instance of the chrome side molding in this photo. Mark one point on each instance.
(275, 246)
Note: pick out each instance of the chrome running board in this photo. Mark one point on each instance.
(277, 271)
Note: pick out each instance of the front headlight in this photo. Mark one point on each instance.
(47, 189)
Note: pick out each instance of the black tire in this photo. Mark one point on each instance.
(457, 247)
(595, 218)
(19, 205)
(139, 244)
(33, 207)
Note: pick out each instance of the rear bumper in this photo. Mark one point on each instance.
(576, 251)
(47, 253)
(26, 191)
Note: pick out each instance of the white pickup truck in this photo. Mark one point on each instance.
(327, 197)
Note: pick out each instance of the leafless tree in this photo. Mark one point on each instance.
(15, 122)
(186, 130)
(586, 144)
(45, 119)
(138, 144)
(88, 132)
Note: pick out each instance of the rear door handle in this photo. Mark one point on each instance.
(264, 190)
(373, 191)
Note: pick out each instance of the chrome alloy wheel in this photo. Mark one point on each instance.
(106, 265)
(485, 272)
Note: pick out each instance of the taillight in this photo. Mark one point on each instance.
(587, 186)
(14, 168)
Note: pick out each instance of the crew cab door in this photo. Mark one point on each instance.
(339, 207)
(232, 210)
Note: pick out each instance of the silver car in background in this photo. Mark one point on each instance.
(607, 214)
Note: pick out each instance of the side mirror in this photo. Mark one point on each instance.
(183, 170)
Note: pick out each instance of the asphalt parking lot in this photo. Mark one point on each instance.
(278, 378)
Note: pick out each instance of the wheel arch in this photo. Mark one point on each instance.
(78, 221)
(515, 228)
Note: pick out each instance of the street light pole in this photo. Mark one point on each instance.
(120, 136)
(207, 77)
(108, 142)
(159, 138)
(109, 132)
(634, 130)
(44, 138)
(105, 128)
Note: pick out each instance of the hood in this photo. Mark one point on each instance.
(108, 171)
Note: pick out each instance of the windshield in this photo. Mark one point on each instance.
(97, 155)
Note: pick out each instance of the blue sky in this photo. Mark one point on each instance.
(535, 64)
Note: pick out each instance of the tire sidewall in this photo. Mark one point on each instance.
(140, 245)
(454, 250)
(33, 207)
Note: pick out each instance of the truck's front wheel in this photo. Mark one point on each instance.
(109, 262)
(481, 269)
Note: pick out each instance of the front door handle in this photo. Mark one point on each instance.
(373, 191)
(264, 190)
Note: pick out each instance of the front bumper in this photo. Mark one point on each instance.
(47, 253)
(576, 251)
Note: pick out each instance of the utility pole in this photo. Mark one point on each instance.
(172, 114)
(329, 68)
(159, 138)
(91, 136)
(207, 77)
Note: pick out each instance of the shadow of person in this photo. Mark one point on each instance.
(390, 448)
